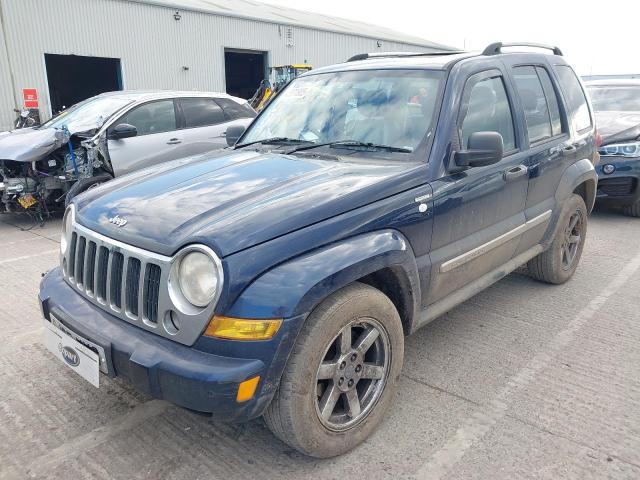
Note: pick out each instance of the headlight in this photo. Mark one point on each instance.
(67, 225)
(199, 276)
(629, 150)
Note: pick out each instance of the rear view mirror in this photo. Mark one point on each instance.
(234, 132)
(123, 130)
(483, 148)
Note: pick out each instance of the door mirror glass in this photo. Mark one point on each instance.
(234, 132)
(122, 130)
(483, 148)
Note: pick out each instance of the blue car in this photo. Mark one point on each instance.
(279, 277)
(616, 103)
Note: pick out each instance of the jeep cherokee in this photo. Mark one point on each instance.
(279, 277)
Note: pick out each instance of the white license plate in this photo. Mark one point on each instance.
(73, 354)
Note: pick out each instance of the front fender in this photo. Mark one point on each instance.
(581, 172)
(298, 285)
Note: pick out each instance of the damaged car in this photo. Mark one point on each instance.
(42, 168)
(616, 103)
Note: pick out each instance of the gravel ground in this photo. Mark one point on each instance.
(524, 380)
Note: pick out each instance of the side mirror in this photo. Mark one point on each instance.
(234, 132)
(122, 130)
(483, 148)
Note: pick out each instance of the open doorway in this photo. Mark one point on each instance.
(73, 78)
(244, 69)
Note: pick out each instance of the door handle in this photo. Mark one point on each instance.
(568, 149)
(174, 141)
(515, 172)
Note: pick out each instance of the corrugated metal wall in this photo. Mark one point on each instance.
(152, 46)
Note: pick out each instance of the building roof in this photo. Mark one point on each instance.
(253, 10)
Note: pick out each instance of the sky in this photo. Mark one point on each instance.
(596, 37)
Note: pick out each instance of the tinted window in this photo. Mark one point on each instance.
(534, 103)
(154, 117)
(489, 111)
(552, 100)
(234, 110)
(200, 112)
(576, 101)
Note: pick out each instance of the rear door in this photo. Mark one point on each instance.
(479, 212)
(203, 126)
(155, 142)
(547, 142)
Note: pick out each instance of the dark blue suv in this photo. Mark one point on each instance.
(279, 277)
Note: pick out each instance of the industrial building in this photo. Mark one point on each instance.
(54, 53)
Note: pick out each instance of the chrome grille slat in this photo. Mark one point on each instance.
(151, 289)
(132, 288)
(90, 266)
(115, 280)
(79, 262)
(101, 274)
(71, 266)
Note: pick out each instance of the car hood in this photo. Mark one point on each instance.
(618, 126)
(232, 201)
(29, 144)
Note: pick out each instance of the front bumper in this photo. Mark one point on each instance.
(622, 187)
(164, 369)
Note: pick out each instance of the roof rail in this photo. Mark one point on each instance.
(496, 48)
(365, 56)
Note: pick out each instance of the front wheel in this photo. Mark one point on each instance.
(558, 263)
(341, 375)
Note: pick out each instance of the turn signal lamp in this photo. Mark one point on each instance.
(246, 389)
(242, 328)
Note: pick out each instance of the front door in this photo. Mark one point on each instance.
(155, 142)
(479, 212)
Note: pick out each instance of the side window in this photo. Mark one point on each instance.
(234, 110)
(200, 112)
(576, 100)
(153, 117)
(552, 100)
(488, 111)
(534, 103)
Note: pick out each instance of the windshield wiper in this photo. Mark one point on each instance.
(269, 141)
(352, 143)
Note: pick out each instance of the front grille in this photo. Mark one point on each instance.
(133, 284)
(112, 277)
(616, 187)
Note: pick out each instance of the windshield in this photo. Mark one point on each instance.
(615, 99)
(383, 107)
(88, 115)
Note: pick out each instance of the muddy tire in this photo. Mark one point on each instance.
(558, 263)
(632, 210)
(341, 375)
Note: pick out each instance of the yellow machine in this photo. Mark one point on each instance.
(280, 76)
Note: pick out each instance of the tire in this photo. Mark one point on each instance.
(632, 210)
(83, 185)
(558, 263)
(294, 415)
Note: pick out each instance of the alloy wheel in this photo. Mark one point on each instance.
(352, 374)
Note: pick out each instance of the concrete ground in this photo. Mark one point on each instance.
(524, 380)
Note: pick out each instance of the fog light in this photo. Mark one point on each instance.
(246, 389)
(242, 328)
(608, 169)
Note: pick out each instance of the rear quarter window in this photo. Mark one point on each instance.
(576, 100)
(234, 110)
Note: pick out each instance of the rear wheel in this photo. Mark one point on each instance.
(341, 374)
(632, 210)
(558, 263)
